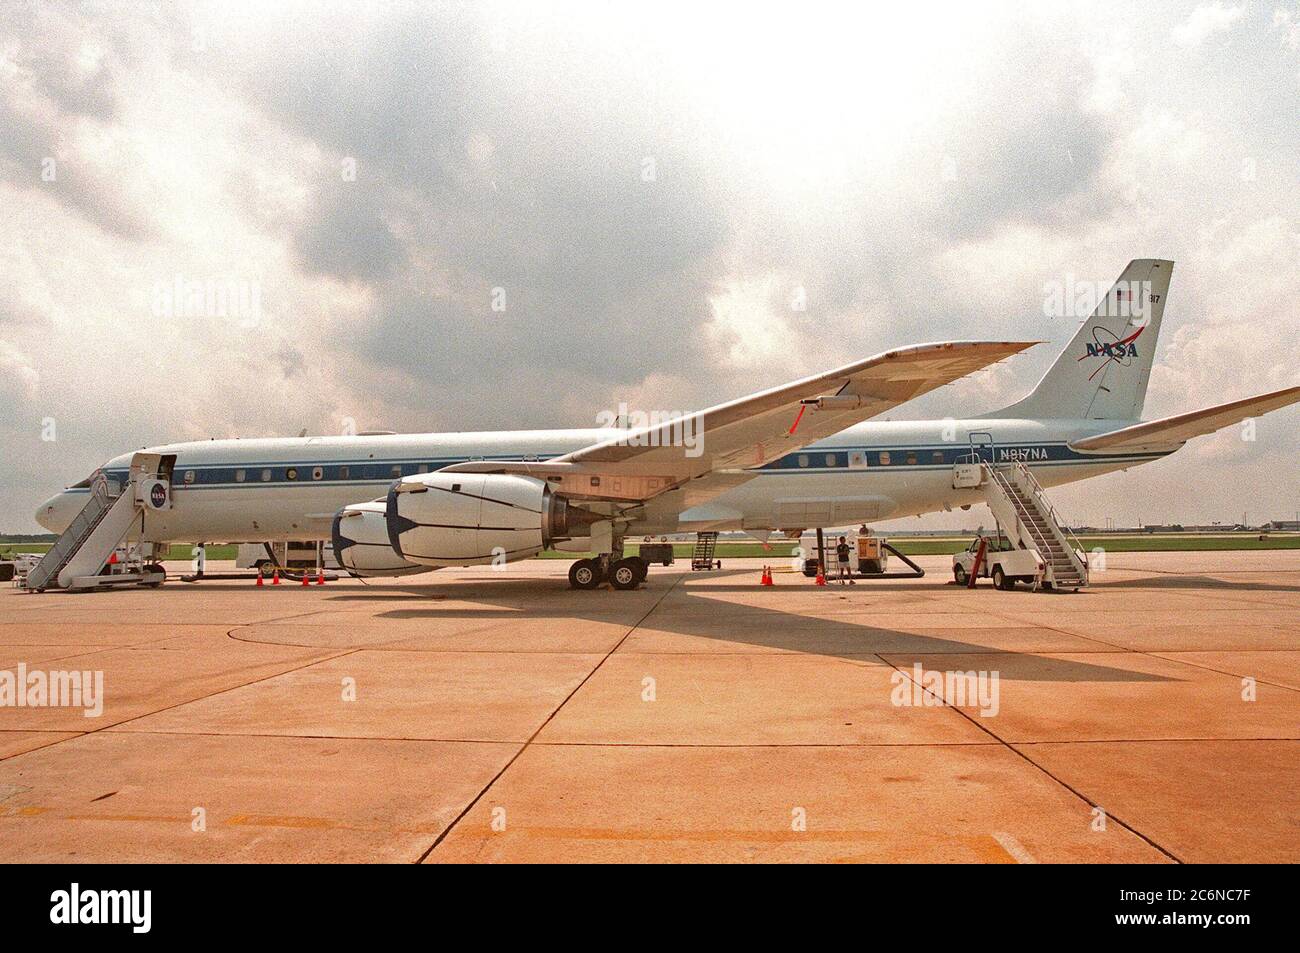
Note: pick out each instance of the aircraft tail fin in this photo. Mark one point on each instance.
(1103, 372)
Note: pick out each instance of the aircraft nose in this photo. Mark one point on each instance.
(55, 514)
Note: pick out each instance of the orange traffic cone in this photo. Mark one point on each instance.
(320, 577)
(259, 578)
(275, 577)
(304, 578)
(821, 576)
(767, 577)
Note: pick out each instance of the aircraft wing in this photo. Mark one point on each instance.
(742, 435)
(1177, 430)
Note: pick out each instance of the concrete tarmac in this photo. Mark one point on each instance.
(481, 715)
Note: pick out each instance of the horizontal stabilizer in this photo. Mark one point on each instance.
(1177, 430)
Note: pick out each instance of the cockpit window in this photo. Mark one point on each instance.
(84, 484)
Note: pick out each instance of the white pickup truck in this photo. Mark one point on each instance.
(1003, 563)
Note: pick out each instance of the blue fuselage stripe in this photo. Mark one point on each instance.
(860, 460)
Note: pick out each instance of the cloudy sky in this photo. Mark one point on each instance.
(453, 217)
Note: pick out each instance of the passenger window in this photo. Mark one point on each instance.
(803, 459)
(911, 459)
(343, 473)
(291, 473)
(397, 471)
(937, 456)
(884, 459)
(830, 459)
(266, 476)
(239, 476)
(317, 473)
(189, 476)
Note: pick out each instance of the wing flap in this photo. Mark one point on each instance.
(1178, 429)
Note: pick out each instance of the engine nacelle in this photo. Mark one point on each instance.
(361, 542)
(467, 519)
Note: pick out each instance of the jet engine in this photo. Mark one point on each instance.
(466, 519)
(361, 542)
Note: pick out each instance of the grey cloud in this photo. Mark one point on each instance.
(348, 237)
(37, 124)
(52, 54)
(538, 192)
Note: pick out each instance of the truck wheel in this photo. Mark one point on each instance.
(1000, 579)
(960, 575)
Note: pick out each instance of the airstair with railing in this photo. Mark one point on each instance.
(1028, 518)
(1024, 514)
(79, 556)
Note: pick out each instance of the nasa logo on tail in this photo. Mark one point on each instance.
(1109, 345)
(1106, 343)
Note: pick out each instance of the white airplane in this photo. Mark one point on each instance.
(805, 454)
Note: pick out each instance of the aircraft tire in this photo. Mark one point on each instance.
(626, 574)
(585, 574)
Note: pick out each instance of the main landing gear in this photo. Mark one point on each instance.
(626, 573)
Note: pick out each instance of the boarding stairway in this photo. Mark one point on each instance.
(1028, 519)
(705, 546)
(78, 557)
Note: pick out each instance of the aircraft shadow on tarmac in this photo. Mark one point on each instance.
(1198, 582)
(688, 611)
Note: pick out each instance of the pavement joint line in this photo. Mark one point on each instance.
(1216, 572)
(1218, 598)
(1149, 653)
(82, 651)
(127, 721)
(650, 744)
(48, 744)
(568, 744)
(542, 727)
(658, 744)
(1210, 668)
(1073, 790)
(1142, 741)
(230, 632)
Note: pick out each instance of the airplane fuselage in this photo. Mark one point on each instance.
(290, 488)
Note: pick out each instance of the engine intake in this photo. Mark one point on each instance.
(361, 545)
(466, 519)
